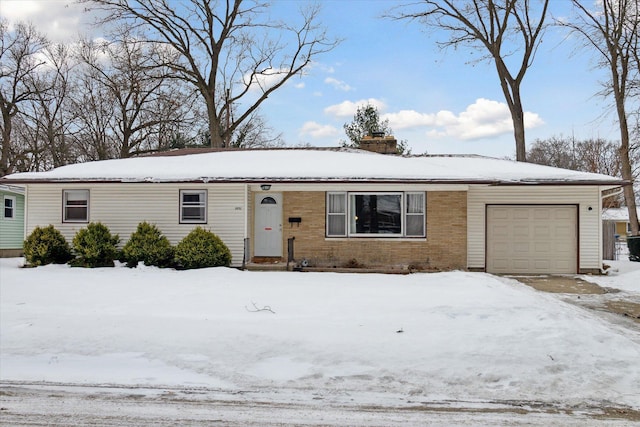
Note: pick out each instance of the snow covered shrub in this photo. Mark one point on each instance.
(94, 246)
(45, 246)
(147, 244)
(200, 249)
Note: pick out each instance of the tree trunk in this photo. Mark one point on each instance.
(518, 131)
(215, 138)
(511, 91)
(627, 172)
(5, 165)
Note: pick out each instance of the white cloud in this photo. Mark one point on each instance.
(299, 85)
(59, 20)
(316, 130)
(484, 118)
(18, 10)
(349, 108)
(338, 84)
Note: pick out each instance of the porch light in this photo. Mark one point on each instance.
(266, 187)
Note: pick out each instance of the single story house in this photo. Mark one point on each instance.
(620, 218)
(11, 220)
(340, 207)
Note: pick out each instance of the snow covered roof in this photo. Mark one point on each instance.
(312, 165)
(617, 214)
(11, 189)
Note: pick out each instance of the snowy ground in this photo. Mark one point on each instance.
(345, 341)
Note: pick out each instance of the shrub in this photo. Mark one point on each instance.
(45, 246)
(94, 246)
(200, 249)
(147, 244)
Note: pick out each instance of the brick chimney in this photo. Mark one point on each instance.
(379, 143)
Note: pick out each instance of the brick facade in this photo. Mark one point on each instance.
(444, 248)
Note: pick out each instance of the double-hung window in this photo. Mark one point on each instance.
(9, 207)
(193, 206)
(337, 214)
(367, 214)
(75, 206)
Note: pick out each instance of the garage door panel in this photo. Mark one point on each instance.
(564, 215)
(532, 239)
(542, 231)
(521, 264)
(541, 214)
(501, 213)
(541, 248)
(541, 264)
(520, 215)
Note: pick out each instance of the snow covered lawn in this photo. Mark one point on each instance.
(385, 339)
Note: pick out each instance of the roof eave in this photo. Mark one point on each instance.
(246, 180)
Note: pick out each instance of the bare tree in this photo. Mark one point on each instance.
(595, 155)
(47, 113)
(19, 61)
(559, 152)
(255, 133)
(506, 30)
(231, 51)
(142, 94)
(612, 29)
(93, 107)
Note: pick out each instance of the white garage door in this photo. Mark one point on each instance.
(532, 239)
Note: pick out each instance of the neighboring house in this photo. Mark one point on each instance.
(341, 206)
(11, 220)
(619, 217)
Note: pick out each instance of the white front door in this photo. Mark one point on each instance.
(268, 225)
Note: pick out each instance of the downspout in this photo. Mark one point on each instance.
(246, 226)
(25, 214)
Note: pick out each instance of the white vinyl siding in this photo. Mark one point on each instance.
(122, 206)
(585, 197)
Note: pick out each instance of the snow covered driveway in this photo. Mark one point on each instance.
(330, 341)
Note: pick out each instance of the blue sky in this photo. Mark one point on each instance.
(438, 101)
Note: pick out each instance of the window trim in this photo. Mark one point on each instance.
(12, 208)
(404, 214)
(65, 206)
(202, 203)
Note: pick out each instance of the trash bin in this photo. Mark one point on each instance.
(633, 242)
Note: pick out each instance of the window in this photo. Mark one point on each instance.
(76, 206)
(9, 211)
(375, 214)
(415, 215)
(336, 214)
(368, 214)
(193, 206)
